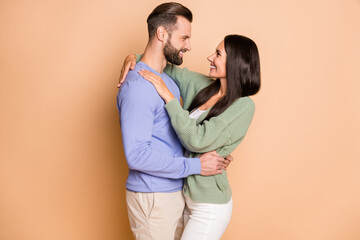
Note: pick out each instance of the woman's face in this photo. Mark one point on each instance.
(218, 62)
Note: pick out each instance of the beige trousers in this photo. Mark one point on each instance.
(155, 216)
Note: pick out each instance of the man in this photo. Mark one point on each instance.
(153, 151)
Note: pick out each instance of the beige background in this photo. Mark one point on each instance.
(62, 168)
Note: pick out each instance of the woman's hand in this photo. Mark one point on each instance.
(129, 63)
(158, 83)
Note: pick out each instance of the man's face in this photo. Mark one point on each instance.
(178, 42)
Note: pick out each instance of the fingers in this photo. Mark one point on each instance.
(121, 77)
(222, 160)
(144, 72)
(124, 75)
(230, 158)
(225, 165)
(132, 66)
(129, 64)
(147, 76)
(216, 165)
(124, 72)
(221, 163)
(150, 76)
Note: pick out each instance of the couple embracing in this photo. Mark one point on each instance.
(177, 186)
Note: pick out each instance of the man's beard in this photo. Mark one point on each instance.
(172, 55)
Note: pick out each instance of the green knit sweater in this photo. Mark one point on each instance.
(222, 133)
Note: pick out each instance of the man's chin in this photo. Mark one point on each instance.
(177, 62)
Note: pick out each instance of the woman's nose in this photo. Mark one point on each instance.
(211, 57)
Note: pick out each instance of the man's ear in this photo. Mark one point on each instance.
(161, 34)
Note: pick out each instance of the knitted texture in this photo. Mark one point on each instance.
(222, 133)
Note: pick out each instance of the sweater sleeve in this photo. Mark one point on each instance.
(217, 132)
(137, 104)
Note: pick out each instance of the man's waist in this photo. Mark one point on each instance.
(142, 182)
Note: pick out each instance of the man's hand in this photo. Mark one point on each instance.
(228, 160)
(212, 163)
(129, 64)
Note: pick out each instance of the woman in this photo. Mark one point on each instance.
(216, 115)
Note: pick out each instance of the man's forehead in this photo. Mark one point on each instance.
(183, 27)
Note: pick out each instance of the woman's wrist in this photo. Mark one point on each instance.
(168, 97)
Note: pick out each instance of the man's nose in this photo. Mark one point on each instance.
(188, 45)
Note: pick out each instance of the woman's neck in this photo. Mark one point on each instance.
(223, 87)
(213, 100)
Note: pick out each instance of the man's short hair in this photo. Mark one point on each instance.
(166, 15)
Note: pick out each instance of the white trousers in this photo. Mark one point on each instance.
(205, 221)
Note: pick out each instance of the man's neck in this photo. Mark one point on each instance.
(154, 57)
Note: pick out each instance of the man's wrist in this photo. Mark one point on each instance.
(194, 165)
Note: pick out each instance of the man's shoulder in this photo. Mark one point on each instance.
(134, 81)
(136, 89)
(133, 76)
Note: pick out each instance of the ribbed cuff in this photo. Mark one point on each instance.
(194, 165)
(173, 106)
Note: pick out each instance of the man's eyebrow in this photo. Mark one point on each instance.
(186, 36)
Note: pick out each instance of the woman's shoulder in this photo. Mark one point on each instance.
(239, 114)
(244, 106)
(243, 102)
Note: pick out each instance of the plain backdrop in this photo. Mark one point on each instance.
(62, 166)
